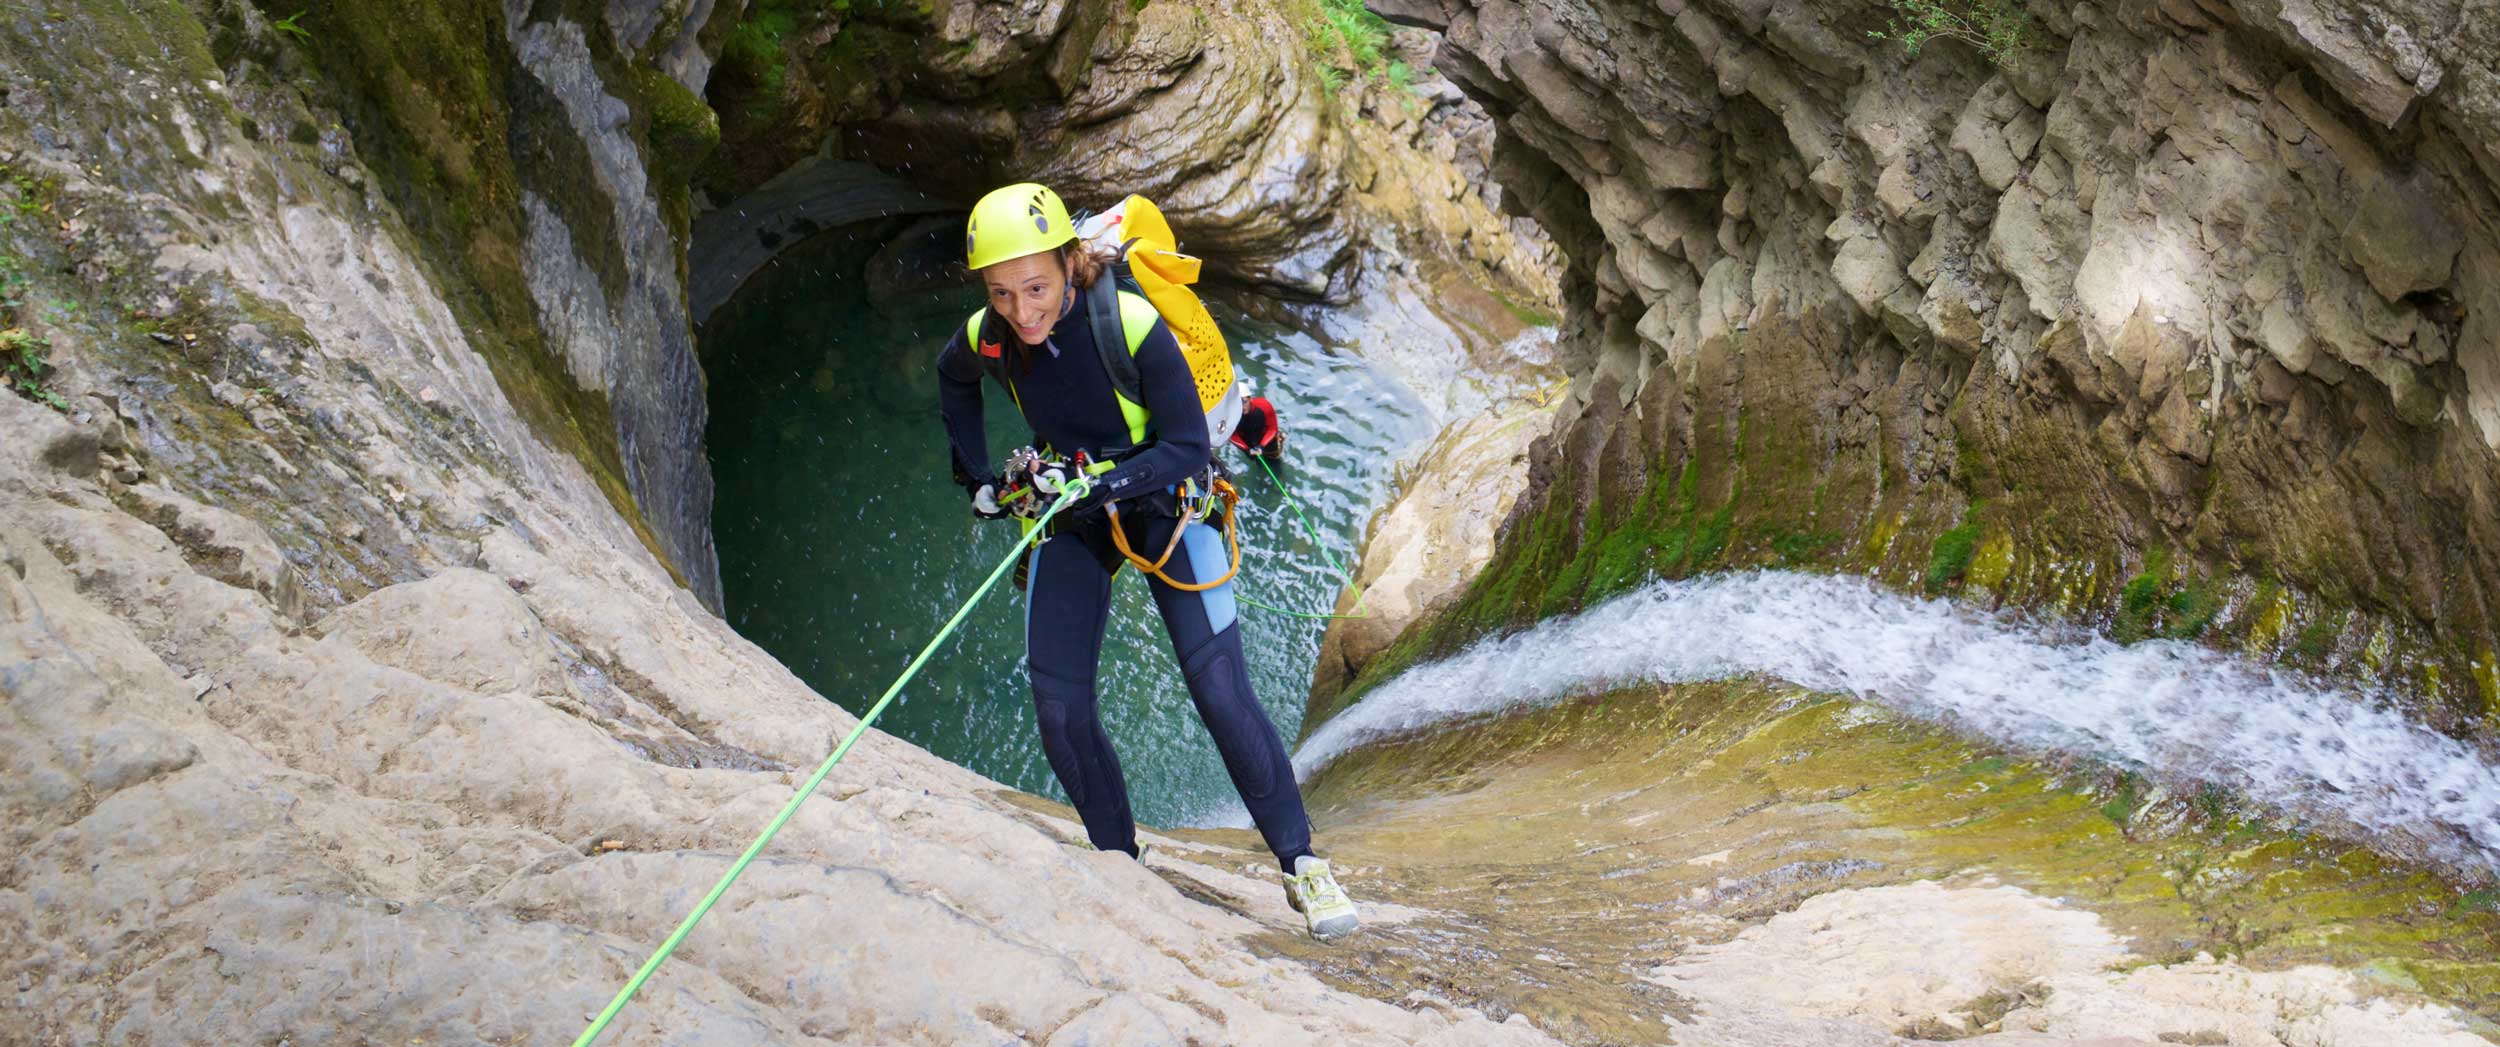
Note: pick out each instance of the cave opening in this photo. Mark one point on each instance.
(844, 544)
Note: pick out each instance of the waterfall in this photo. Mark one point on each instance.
(2173, 710)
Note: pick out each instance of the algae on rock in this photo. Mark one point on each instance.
(2215, 281)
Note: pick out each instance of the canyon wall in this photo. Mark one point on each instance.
(2181, 318)
(1231, 116)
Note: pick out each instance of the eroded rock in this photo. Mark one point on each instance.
(2162, 276)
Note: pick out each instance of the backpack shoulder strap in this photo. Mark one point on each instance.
(1137, 318)
(989, 353)
(1113, 337)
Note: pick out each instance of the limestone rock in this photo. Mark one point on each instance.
(2200, 245)
(1425, 547)
(1218, 112)
(2402, 239)
(289, 757)
(224, 544)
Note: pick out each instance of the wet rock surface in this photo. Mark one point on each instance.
(340, 703)
(1218, 112)
(2175, 312)
(1425, 547)
(1744, 863)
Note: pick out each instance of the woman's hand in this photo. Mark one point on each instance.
(1053, 477)
(985, 503)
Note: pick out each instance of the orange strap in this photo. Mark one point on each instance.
(1232, 540)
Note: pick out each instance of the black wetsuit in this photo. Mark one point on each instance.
(1067, 398)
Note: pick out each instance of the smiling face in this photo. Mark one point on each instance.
(1029, 292)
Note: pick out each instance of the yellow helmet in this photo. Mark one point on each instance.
(1021, 219)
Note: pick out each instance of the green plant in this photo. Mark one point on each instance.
(2213, 803)
(23, 367)
(2141, 601)
(1997, 29)
(289, 25)
(1347, 41)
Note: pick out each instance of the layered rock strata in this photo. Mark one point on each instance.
(541, 165)
(1220, 112)
(2183, 317)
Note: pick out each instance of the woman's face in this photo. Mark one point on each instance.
(1028, 292)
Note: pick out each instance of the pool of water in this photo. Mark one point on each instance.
(844, 545)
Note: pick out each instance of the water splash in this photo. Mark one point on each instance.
(2174, 709)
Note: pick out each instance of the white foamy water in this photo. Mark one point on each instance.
(2175, 709)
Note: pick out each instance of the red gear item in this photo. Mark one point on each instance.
(1258, 429)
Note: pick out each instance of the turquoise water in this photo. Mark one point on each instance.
(844, 545)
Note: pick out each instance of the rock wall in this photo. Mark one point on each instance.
(1220, 112)
(340, 704)
(539, 154)
(1419, 553)
(2183, 317)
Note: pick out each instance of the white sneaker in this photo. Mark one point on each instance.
(1312, 891)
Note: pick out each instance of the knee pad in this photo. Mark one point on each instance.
(1220, 684)
(1064, 713)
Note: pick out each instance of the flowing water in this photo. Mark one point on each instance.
(844, 545)
(2172, 709)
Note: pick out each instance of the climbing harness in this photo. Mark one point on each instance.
(1199, 499)
(1076, 489)
(1022, 474)
(1196, 503)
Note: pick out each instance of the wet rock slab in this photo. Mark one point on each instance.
(1744, 863)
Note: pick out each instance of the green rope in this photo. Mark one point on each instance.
(1067, 496)
(1308, 531)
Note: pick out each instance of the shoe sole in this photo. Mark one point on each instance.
(1336, 927)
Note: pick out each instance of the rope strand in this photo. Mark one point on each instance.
(1066, 497)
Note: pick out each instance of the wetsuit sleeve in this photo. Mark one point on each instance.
(959, 404)
(1179, 449)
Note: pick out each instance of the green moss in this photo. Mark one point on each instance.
(2127, 797)
(2192, 610)
(681, 129)
(438, 107)
(2316, 638)
(1796, 548)
(1950, 556)
(2140, 601)
(1525, 313)
(1994, 562)
(2270, 613)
